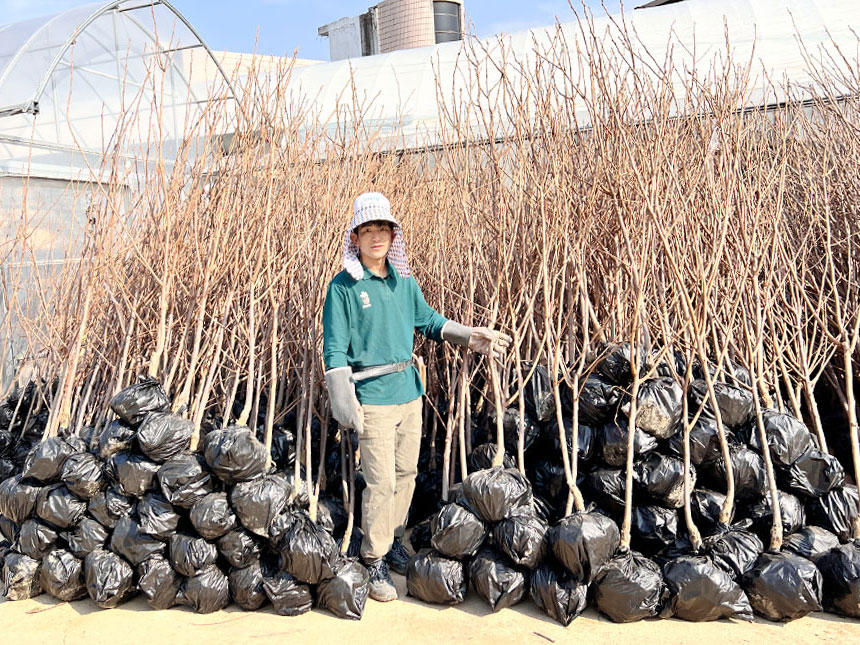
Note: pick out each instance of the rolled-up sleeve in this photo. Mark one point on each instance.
(428, 321)
(335, 327)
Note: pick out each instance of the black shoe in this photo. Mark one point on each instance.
(382, 587)
(398, 557)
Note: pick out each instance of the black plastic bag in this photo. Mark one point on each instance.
(110, 507)
(482, 457)
(109, 578)
(259, 501)
(658, 407)
(21, 577)
(706, 506)
(494, 492)
(8, 530)
(583, 542)
(605, 487)
(132, 474)
(7, 468)
(701, 591)
(457, 532)
(704, 442)
(62, 576)
(661, 479)
(235, 455)
(307, 550)
(58, 507)
(206, 592)
(162, 435)
(345, 593)
(598, 400)
(421, 534)
(190, 554)
(814, 474)
(615, 366)
(158, 582)
(550, 481)
(331, 515)
(115, 438)
(134, 402)
(132, 544)
(840, 574)
(736, 403)
(511, 428)
(433, 578)
(735, 550)
(86, 537)
(613, 442)
(783, 586)
(239, 548)
(185, 479)
(18, 499)
(157, 516)
(521, 536)
(586, 440)
(835, 510)
(212, 516)
(788, 438)
(748, 470)
(559, 594)
(83, 475)
(35, 539)
(246, 586)
(790, 509)
(44, 463)
(537, 391)
(495, 579)
(654, 528)
(810, 542)
(288, 596)
(629, 588)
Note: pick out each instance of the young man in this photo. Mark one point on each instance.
(371, 311)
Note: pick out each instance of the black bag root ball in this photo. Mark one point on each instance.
(522, 537)
(246, 586)
(345, 593)
(787, 438)
(133, 475)
(18, 499)
(134, 402)
(735, 403)
(482, 457)
(109, 578)
(63, 576)
(288, 596)
(661, 479)
(734, 550)
(212, 517)
(658, 407)
(185, 479)
(157, 516)
(45, 461)
(117, 437)
(83, 475)
(260, 501)
(814, 474)
(701, 591)
(206, 592)
(60, 508)
(605, 487)
(190, 554)
(835, 511)
(791, 511)
(21, 577)
(158, 582)
(584, 542)
(559, 594)
(706, 506)
(86, 537)
(239, 548)
(132, 543)
(613, 442)
(308, 551)
(616, 364)
(598, 400)
(162, 435)
(654, 528)
(36, 539)
(457, 532)
(511, 428)
(629, 588)
(783, 586)
(495, 492)
(235, 455)
(747, 469)
(433, 578)
(496, 579)
(840, 574)
(810, 542)
(110, 507)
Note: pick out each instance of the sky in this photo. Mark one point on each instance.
(280, 26)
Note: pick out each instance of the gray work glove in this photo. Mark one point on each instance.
(345, 407)
(480, 339)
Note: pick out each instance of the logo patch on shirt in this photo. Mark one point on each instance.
(365, 299)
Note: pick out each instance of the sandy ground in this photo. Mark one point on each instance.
(44, 620)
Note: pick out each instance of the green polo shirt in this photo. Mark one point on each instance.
(371, 322)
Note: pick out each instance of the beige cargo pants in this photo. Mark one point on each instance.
(389, 444)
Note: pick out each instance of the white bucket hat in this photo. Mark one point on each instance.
(371, 207)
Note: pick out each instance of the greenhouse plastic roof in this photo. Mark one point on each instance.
(65, 78)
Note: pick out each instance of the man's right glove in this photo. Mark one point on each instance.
(345, 407)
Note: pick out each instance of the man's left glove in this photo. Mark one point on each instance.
(480, 339)
(345, 407)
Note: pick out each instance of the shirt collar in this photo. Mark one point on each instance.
(392, 273)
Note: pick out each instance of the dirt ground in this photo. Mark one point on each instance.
(45, 621)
